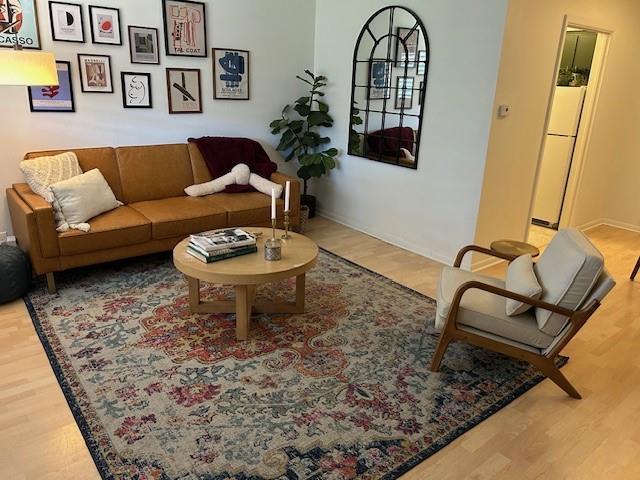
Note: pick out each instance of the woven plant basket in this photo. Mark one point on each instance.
(304, 218)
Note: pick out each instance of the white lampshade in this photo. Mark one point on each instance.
(21, 67)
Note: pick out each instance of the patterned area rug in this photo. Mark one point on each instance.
(340, 392)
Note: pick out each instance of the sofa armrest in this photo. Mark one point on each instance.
(44, 217)
(281, 178)
(23, 221)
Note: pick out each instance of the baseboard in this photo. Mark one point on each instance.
(385, 237)
(609, 222)
(485, 263)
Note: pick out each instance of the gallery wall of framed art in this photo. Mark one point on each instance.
(103, 119)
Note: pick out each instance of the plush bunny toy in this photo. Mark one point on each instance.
(240, 175)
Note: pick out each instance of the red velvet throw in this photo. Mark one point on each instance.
(221, 154)
(389, 141)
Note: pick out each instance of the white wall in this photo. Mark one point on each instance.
(278, 33)
(431, 210)
(611, 167)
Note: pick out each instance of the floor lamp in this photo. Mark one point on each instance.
(21, 67)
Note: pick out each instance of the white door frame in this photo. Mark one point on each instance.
(586, 122)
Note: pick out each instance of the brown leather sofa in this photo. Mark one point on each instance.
(156, 215)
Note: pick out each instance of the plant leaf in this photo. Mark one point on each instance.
(323, 107)
(303, 100)
(319, 118)
(332, 152)
(328, 162)
(287, 139)
(303, 110)
(296, 125)
(308, 72)
(304, 80)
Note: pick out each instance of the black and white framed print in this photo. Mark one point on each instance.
(136, 90)
(185, 28)
(404, 93)
(105, 25)
(379, 79)
(143, 45)
(95, 73)
(54, 98)
(410, 38)
(66, 22)
(230, 74)
(183, 90)
(19, 24)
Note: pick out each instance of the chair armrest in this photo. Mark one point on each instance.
(45, 220)
(294, 206)
(476, 248)
(474, 284)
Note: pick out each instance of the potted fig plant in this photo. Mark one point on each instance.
(300, 139)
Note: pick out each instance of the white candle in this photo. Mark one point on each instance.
(273, 203)
(287, 189)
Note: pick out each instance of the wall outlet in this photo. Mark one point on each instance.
(3, 237)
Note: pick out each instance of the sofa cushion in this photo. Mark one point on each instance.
(102, 158)
(486, 312)
(154, 172)
(181, 216)
(249, 208)
(42, 172)
(116, 228)
(567, 271)
(84, 197)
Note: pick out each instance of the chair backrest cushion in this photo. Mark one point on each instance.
(567, 271)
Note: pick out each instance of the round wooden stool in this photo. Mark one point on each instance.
(514, 248)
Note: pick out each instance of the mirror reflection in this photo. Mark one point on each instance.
(389, 80)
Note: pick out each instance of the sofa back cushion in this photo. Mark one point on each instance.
(567, 270)
(102, 158)
(153, 172)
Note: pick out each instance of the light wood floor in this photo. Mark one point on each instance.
(543, 434)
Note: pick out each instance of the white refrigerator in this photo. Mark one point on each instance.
(558, 152)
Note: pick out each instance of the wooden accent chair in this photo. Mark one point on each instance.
(472, 307)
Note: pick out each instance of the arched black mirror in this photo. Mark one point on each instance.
(389, 80)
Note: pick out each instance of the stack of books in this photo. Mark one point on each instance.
(216, 245)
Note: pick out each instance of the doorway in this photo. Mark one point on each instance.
(572, 104)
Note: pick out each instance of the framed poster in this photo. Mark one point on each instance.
(143, 45)
(230, 74)
(410, 37)
(379, 79)
(66, 22)
(54, 98)
(136, 90)
(404, 93)
(19, 24)
(422, 62)
(95, 73)
(185, 28)
(105, 25)
(183, 90)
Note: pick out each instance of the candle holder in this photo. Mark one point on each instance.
(285, 235)
(273, 245)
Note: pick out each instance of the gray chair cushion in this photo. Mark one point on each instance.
(567, 271)
(486, 312)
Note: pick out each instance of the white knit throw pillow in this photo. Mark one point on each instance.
(40, 173)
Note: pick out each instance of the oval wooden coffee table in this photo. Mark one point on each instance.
(299, 255)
